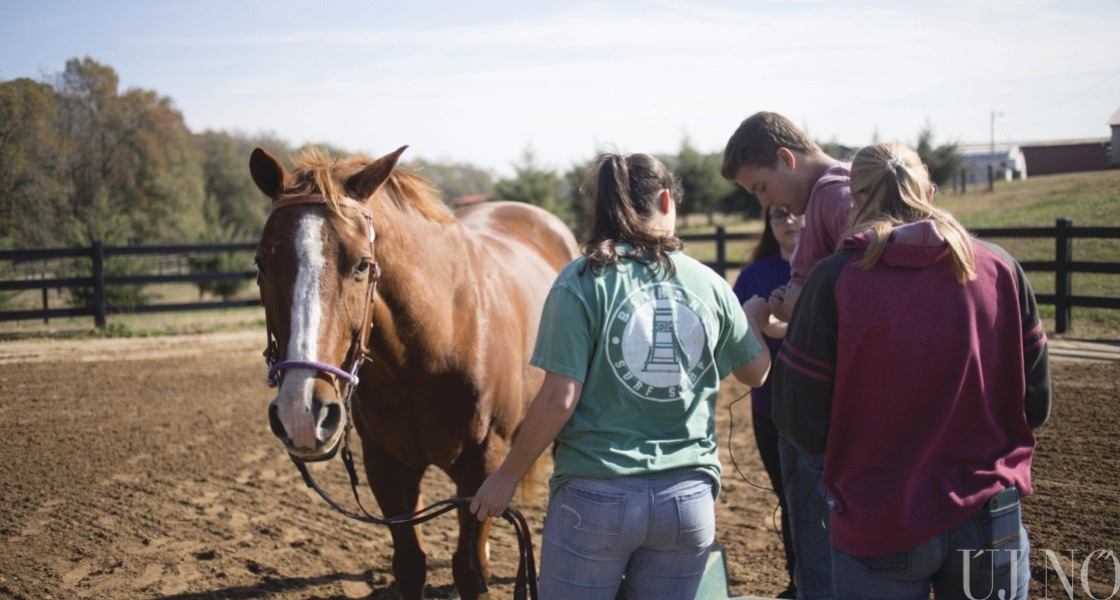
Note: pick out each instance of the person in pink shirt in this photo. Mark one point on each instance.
(771, 158)
(789, 174)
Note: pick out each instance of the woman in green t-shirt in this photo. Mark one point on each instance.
(635, 337)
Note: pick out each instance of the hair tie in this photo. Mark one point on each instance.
(894, 163)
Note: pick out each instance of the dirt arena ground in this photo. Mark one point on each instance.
(144, 468)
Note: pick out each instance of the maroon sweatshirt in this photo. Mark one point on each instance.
(921, 392)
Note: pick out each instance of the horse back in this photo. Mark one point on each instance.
(514, 228)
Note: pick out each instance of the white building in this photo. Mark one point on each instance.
(1007, 162)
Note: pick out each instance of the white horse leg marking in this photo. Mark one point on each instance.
(294, 399)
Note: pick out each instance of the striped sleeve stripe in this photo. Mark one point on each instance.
(1034, 339)
(804, 364)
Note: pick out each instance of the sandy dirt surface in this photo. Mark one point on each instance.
(144, 468)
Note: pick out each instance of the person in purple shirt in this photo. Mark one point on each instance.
(917, 362)
(768, 269)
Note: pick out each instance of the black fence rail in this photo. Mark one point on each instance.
(98, 281)
(1063, 267)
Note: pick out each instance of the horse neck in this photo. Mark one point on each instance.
(423, 262)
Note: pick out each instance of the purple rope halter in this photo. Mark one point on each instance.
(275, 369)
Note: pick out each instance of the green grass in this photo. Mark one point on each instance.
(138, 325)
(133, 325)
(1089, 200)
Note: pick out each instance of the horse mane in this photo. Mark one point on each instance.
(315, 172)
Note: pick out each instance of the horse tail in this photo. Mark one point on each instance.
(529, 492)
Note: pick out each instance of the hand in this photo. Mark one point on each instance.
(757, 310)
(493, 497)
(777, 303)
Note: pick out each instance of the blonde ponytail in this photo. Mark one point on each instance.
(890, 186)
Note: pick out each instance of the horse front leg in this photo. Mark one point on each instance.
(468, 473)
(397, 489)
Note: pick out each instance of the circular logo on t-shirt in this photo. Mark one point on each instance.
(657, 341)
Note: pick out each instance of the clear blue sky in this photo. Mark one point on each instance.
(481, 81)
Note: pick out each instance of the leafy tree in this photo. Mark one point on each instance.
(223, 262)
(535, 185)
(112, 229)
(943, 162)
(579, 204)
(741, 201)
(33, 186)
(837, 150)
(135, 148)
(234, 206)
(700, 176)
(455, 179)
(268, 140)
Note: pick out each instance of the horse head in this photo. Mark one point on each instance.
(317, 273)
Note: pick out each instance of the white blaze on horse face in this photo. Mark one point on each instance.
(294, 401)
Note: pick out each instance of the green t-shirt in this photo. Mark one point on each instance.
(650, 351)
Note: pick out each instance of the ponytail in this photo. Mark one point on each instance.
(894, 185)
(626, 192)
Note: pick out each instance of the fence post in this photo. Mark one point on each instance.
(721, 250)
(46, 305)
(98, 253)
(991, 179)
(964, 184)
(1063, 280)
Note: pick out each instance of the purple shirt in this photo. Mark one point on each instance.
(759, 278)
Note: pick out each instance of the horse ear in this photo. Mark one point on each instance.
(366, 182)
(268, 173)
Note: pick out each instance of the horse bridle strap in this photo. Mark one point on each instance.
(359, 349)
(321, 199)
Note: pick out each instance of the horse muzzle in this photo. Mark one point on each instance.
(312, 436)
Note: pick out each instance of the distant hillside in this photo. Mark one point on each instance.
(1091, 198)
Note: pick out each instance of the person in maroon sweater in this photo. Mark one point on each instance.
(916, 361)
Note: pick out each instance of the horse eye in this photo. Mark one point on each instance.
(363, 266)
(260, 267)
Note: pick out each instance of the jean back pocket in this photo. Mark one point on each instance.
(590, 522)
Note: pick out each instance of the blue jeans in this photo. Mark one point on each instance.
(657, 533)
(984, 557)
(808, 520)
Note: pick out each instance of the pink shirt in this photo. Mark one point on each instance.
(826, 220)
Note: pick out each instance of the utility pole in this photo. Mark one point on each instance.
(992, 150)
(992, 153)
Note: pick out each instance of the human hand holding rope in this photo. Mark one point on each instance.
(493, 496)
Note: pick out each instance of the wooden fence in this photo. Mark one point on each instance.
(1063, 267)
(99, 309)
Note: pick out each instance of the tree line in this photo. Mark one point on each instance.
(82, 160)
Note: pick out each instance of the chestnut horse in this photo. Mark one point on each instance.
(454, 302)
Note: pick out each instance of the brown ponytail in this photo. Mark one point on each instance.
(626, 192)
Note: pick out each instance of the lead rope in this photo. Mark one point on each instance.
(525, 584)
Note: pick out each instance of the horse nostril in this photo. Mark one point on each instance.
(331, 418)
(275, 424)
